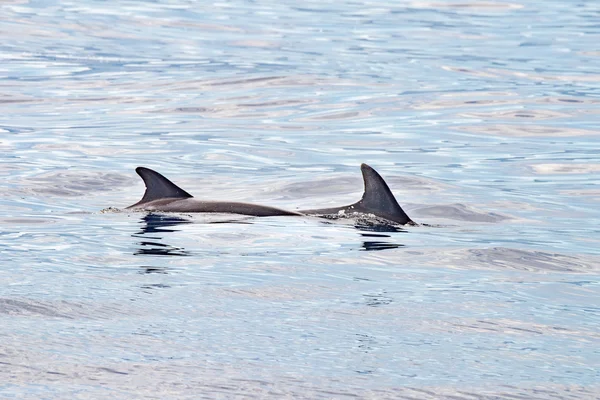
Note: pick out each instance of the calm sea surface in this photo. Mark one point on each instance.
(484, 118)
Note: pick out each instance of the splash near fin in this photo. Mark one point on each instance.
(378, 199)
(158, 187)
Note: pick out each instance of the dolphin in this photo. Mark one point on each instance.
(163, 195)
(377, 199)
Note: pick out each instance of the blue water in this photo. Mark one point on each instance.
(483, 117)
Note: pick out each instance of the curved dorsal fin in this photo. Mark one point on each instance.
(378, 198)
(158, 187)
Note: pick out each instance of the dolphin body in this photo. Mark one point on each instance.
(163, 195)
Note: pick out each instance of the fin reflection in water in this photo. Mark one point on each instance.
(153, 246)
(374, 244)
(156, 223)
(152, 243)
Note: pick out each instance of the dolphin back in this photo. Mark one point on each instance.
(158, 187)
(162, 194)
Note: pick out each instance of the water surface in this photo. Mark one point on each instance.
(481, 116)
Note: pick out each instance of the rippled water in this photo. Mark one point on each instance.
(482, 116)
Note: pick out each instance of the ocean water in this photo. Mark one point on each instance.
(483, 117)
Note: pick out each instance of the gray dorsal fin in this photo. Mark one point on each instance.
(158, 187)
(378, 199)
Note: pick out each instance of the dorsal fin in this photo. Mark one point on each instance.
(378, 198)
(158, 187)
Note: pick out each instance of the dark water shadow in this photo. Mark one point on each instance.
(378, 245)
(153, 228)
(375, 234)
(160, 249)
(377, 299)
(371, 227)
(379, 227)
(160, 223)
(149, 269)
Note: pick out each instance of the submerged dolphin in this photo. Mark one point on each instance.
(163, 195)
